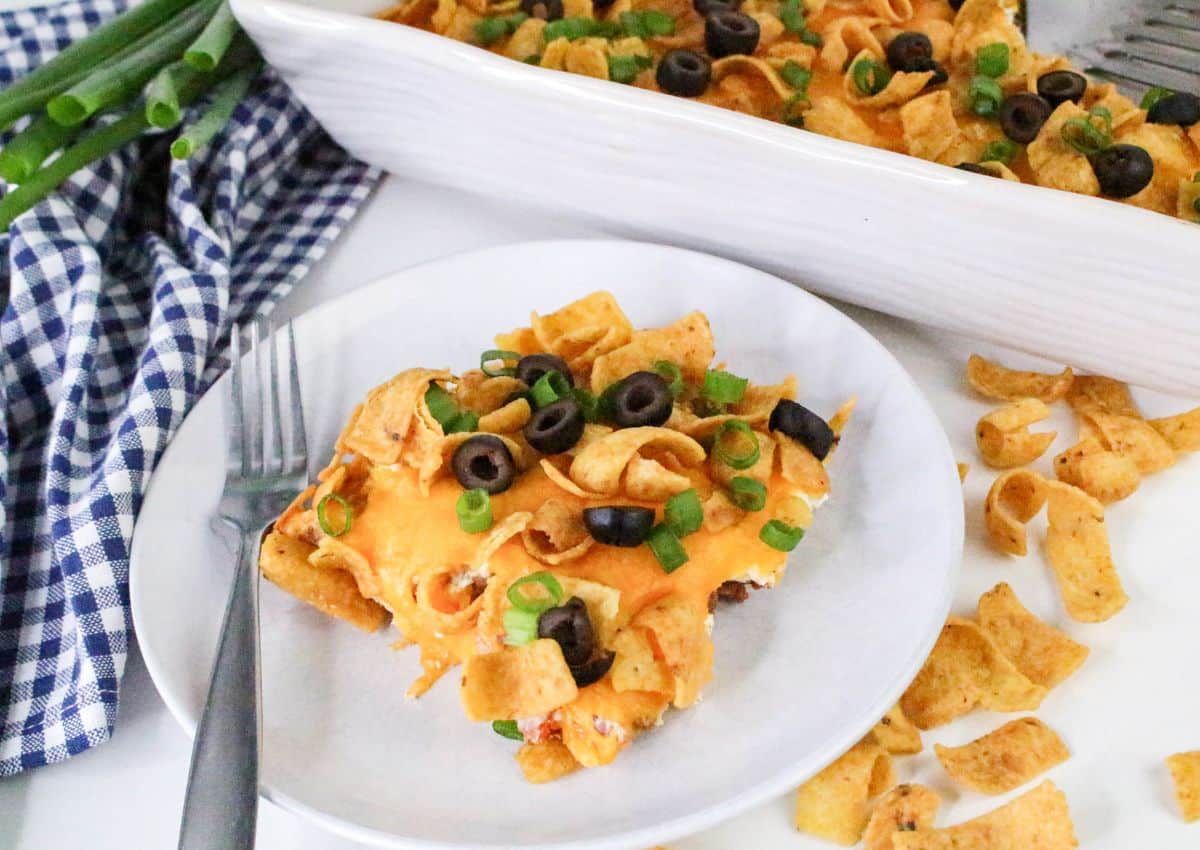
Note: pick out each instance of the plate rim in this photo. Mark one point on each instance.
(665, 831)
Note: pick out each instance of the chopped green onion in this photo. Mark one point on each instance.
(992, 60)
(520, 627)
(28, 149)
(573, 28)
(740, 432)
(749, 494)
(32, 91)
(647, 23)
(441, 404)
(1153, 96)
(1196, 177)
(1086, 135)
(210, 47)
(779, 535)
(812, 39)
(162, 97)
(683, 513)
(588, 403)
(474, 509)
(323, 517)
(672, 374)
(792, 17)
(985, 95)
(723, 387)
(624, 69)
(503, 357)
(870, 77)
(533, 59)
(549, 388)
(791, 113)
(796, 75)
(1001, 150)
(225, 98)
(1196, 205)
(522, 601)
(464, 422)
(507, 729)
(490, 30)
(666, 548)
(121, 77)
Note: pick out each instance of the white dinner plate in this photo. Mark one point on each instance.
(801, 671)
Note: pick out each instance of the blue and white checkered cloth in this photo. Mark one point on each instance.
(118, 295)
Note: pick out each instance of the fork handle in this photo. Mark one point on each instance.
(220, 807)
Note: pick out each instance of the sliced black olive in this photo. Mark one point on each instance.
(642, 398)
(974, 168)
(547, 10)
(730, 33)
(804, 426)
(556, 427)
(533, 366)
(1180, 108)
(683, 72)
(1022, 116)
(483, 462)
(910, 51)
(707, 7)
(571, 628)
(956, 4)
(619, 525)
(1123, 170)
(1060, 86)
(594, 669)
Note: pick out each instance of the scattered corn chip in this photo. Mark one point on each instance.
(517, 681)
(1038, 820)
(966, 669)
(833, 804)
(507, 419)
(586, 329)
(1005, 758)
(906, 808)
(1003, 436)
(382, 423)
(688, 343)
(680, 639)
(1043, 653)
(799, 466)
(546, 761)
(1097, 394)
(1106, 475)
(992, 380)
(963, 469)
(1014, 499)
(1181, 431)
(556, 533)
(1133, 437)
(1185, 772)
(897, 734)
(599, 467)
(1077, 548)
(636, 668)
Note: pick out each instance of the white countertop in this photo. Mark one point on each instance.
(1135, 701)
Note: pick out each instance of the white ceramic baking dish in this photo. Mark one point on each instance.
(1096, 284)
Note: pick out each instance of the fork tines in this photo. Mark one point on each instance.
(1160, 47)
(266, 430)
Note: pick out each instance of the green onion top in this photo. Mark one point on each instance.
(551, 595)
(723, 387)
(1089, 135)
(474, 509)
(779, 535)
(812, 39)
(624, 69)
(647, 23)
(683, 513)
(1153, 96)
(796, 75)
(490, 30)
(672, 374)
(507, 729)
(520, 627)
(465, 422)
(666, 548)
(323, 515)
(549, 388)
(870, 77)
(736, 445)
(992, 60)
(1001, 150)
(792, 17)
(1196, 206)
(573, 28)
(986, 95)
(495, 355)
(441, 404)
(749, 494)
(588, 403)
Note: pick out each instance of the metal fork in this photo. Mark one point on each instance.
(265, 468)
(1157, 44)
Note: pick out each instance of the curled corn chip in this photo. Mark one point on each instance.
(720, 513)
(477, 392)
(381, 425)
(829, 116)
(648, 480)
(1003, 436)
(556, 475)
(1106, 475)
(992, 380)
(1185, 773)
(498, 535)
(1014, 499)
(603, 604)
(526, 41)
(1005, 758)
(517, 681)
(1054, 162)
(1134, 438)
(893, 11)
(506, 420)
(688, 343)
(1181, 431)
(833, 804)
(1096, 394)
(799, 466)
(556, 533)
(680, 638)
(901, 87)
(741, 63)
(1041, 652)
(594, 325)
(285, 562)
(636, 667)
(599, 468)
(849, 36)
(1039, 819)
(897, 734)
(1077, 548)
(931, 131)
(966, 669)
(546, 761)
(906, 808)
